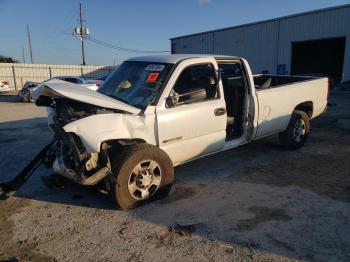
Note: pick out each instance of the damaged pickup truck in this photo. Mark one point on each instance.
(153, 113)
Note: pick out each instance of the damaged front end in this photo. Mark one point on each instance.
(85, 122)
(67, 103)
(88, 127)
(68, 156)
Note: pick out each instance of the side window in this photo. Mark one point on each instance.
(195, 83)
(232, 75)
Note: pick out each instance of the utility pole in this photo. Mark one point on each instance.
(82, 32)
(23, 57)
(30, 44)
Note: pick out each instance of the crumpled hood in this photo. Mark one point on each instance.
(58, 88)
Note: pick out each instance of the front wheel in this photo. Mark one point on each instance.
(142, 172)
(297, 131)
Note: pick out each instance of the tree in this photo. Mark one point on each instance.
(5, 59)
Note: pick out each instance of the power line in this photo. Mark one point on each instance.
(122, 49)
(69, 21)
(66, 29)
(84, 34)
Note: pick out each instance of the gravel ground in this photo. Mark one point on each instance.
(257, 202)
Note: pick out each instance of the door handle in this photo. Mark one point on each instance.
(220, 111)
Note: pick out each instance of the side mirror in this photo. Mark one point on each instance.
(172, 100)
(194, 95)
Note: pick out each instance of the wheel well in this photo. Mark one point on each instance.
(114, 146)
(124, 142)
(306, 107)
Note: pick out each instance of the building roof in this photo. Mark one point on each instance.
(174, 58)
(268, 20)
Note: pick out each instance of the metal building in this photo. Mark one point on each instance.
(316, 42)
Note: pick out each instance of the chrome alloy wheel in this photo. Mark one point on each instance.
(144, 179)
(299, 130)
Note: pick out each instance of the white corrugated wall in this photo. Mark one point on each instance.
(17, 74)
(198, 44)
(267, 44)
(256, 43)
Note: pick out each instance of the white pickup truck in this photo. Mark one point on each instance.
(153, 113)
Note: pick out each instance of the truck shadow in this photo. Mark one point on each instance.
(8, 97)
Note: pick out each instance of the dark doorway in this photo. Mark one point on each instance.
(319, 57)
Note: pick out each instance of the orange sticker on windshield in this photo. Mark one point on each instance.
(152, 77)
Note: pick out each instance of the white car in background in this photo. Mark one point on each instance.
(4, 86)
(78, 80)
(99, 81)
(25, 94)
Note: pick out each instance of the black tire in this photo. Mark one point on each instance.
(288, 138)
(125, 162)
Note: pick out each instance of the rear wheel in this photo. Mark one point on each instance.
(297, 131)
(143, 173)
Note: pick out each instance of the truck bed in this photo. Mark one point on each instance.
(276, 105)
(263, 82)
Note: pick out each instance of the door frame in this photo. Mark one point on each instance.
(250, 121)
(161, 108)
(161, 103)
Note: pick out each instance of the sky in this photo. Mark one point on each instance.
(133, 24)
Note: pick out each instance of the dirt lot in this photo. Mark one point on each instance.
(255, 203)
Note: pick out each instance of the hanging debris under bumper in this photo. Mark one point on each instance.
(10, 187)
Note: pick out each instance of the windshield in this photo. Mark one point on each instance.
(136, 83)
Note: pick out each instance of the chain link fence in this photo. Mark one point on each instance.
(17, 74)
